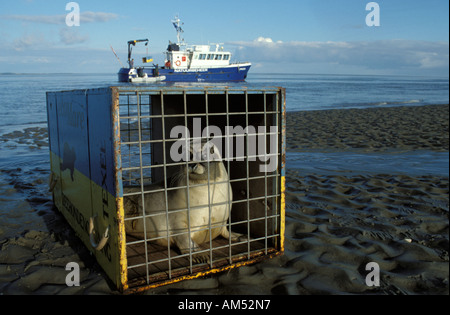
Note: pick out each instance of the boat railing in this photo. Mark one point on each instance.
(238, 62)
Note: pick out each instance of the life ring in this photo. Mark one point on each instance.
(178, 63)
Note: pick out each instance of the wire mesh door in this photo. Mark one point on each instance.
(201, 175)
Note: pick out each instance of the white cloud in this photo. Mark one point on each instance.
(45, 19)
(71, 36)
(74, 59)
(28, 41)
(381, 55)
(264, 40)
(91, 17)
(25, 59)
(85, 17)
(36, 40)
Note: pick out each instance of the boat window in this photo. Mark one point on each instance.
(202, 57)
(210, 56)
(218, 57)
(226, 57)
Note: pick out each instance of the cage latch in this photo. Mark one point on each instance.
(97, 246)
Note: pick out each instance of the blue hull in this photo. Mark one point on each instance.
(237, 73)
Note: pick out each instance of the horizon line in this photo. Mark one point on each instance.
(257, 73)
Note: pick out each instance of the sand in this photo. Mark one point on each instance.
(336, 223)
(372, 130)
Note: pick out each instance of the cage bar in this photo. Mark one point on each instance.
(121, 157)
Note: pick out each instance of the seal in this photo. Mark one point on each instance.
(197, 211)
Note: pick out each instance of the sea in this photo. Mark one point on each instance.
(22, 96)
(23, 164)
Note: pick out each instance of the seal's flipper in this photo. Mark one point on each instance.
(201, 258)
(197, 258)
(235, 237)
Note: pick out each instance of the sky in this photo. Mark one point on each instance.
(284, 36)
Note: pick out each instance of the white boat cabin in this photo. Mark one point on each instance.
(196, 57)
(180, 56)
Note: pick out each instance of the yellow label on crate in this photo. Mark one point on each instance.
(79, 199)
(104, 217)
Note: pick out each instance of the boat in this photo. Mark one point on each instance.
(185, 63)
(134, 78)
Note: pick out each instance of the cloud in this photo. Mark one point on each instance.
(28, 41)
(380, 55)
(71, 36)
(266, 40)
(62, 58)
(85, 17)
(36, 40)
(91, 17)
(23, 59)
(45, 19)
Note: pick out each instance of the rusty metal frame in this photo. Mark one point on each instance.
(121, 112)
(277, 114)
(249, 256)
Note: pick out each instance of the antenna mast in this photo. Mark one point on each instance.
(177, 24)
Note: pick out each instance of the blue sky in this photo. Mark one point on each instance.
(297, 36)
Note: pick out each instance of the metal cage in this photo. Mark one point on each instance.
(136, 130)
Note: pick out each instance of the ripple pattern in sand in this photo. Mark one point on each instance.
(337, 224)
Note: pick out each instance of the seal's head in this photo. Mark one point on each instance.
(204, 150)
(204, 162)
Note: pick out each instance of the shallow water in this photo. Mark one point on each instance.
(412, 163)
(24, 173)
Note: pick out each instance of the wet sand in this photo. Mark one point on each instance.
(373, 129)
(335, 222)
